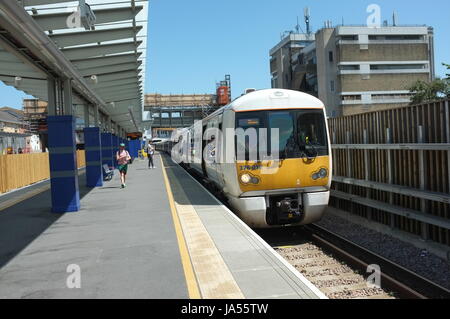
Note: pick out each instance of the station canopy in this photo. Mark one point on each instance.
(99, 44)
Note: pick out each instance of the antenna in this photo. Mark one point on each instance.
(297, 27)
(307, 20)
(394, 18)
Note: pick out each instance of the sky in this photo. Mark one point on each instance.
(193, 44)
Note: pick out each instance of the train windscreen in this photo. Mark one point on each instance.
(302, 133)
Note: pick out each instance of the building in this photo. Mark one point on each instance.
(35, 112)
(12, 121)
(356, 69)
(283, 57)
(14, 136)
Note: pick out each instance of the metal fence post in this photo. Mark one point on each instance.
(390, 172)
(421, 139)
(367, 173)
(447, 132)
(349, 165)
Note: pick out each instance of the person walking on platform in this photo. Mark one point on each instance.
(123, 157)
(150, 153)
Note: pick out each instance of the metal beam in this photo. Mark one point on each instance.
(27, 3)
(118, 89)
(108, 84)
(19, 69)
(88, 37)
(105, 61)
(393, 209)
(126, 94)
(409, 147)
(110, 69)
(100, 50)
(397, 189)
(58, 21)
(113, 98)
(105, 78)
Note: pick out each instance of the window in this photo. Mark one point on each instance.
(285, 123)
(391, 96)
(351, 97)
(245, 121)
(330, 56)
(302, 133)
(332, 87)
(397, 66)
(405, 37)
(349, 67)
(349, 37)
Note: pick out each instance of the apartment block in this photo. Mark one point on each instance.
(357, 69)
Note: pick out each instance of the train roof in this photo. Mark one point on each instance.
(274, 99)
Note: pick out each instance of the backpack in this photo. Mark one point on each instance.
(128, 155)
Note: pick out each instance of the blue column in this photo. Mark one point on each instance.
(107, 157)
(93, 146)
(115, 148)
(63, 164)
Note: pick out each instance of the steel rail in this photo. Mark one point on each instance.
(395, 277)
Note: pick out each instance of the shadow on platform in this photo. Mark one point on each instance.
(22, 223)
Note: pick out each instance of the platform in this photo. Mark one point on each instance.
(164, 236)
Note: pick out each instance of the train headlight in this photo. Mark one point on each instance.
(249, 179)
(323, 173)
(246, 178)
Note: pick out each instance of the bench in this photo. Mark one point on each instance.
(108, 173)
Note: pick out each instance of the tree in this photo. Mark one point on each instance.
(448, 68)
(430, 91)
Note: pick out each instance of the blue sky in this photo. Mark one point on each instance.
(193, 44)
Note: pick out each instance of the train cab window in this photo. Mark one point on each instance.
(302, 133)
(284, 122)
(245, 121)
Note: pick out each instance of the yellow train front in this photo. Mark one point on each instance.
(268, 153)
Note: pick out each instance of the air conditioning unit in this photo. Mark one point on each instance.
(87, 16)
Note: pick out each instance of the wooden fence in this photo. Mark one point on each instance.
(393, 167)
(21, 170)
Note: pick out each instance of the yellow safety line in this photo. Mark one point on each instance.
(11, 202)
(191, 281)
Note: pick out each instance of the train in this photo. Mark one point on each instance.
(268, 153)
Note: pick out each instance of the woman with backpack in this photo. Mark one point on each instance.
(123, 157)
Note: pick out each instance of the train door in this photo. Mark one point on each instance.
(210, 150)
(220, 151)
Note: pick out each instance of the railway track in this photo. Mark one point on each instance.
(338, 267)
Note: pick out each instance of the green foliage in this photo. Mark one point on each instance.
(430, 91)
(448, 68)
